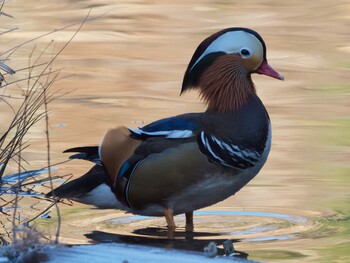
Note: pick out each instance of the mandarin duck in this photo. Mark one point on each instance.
(183, 163)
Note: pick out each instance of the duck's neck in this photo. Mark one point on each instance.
(226, 85)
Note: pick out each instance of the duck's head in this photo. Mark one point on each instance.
(222, 65)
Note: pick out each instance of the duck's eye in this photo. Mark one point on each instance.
(245, 52)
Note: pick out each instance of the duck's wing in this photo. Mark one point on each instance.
(167, 171)
(175, 155)
(168, 162)
(121, 146)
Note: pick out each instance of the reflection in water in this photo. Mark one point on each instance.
(249, 229)
(159, 237)
(294, 219)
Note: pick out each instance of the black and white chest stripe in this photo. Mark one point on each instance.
(228, 154)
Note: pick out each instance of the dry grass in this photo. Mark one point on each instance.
(28, 247)
(25, 244)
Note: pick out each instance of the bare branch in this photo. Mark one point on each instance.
(53, 31)
(9, 30)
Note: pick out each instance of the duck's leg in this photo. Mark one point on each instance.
(169, 217)
(189, 221)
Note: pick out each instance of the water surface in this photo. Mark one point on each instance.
(128, 67)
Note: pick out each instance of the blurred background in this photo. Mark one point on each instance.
(127, 67)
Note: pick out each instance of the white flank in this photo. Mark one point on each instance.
(101, 197)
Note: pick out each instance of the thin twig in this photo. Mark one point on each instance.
(54, 31)
(47, 209)
(8, 104)
(9, 30)
(26, 78)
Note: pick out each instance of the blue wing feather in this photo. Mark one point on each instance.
(174, 127)
(172, 123)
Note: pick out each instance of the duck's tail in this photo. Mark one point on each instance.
(88, 153)
(93, 188)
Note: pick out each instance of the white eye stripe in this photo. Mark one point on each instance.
(233, 42)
